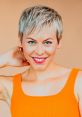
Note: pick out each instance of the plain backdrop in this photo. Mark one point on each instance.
(69, 55)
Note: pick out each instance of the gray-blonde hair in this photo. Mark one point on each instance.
(36, 17)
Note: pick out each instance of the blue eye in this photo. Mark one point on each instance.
(31, 42)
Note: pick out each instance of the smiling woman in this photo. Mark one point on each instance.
(40, 45)
(46, 89)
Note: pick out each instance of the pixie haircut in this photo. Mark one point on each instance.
(37, 17)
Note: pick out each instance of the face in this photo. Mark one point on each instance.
(39, 48)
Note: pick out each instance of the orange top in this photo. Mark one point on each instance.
(63, 104)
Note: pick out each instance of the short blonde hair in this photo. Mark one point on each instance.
(36, 17)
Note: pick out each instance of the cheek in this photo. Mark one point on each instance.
(51, 50)
(28, 51)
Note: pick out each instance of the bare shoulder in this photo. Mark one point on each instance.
(78, 85)
(6, 87)
(6, 81)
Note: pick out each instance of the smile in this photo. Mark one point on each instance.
(39, 60)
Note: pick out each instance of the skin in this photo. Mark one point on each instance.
(41, 45)
(41, 79)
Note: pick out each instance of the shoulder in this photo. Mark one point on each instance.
(5, 80)
(78, 85)
(6, 87)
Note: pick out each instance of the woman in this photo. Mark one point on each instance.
(45, 89)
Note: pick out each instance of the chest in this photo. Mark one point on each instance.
(35, 100)
(44, 106)
(51, 87)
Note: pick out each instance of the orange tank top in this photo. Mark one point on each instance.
(63, 104)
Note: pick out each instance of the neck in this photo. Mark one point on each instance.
(41, 75)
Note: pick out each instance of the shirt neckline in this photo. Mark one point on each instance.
(48, 96)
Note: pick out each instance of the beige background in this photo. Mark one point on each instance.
(69, 55)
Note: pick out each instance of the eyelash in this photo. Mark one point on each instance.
(48, 42)
(31, 42)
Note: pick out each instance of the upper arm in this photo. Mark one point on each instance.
(4, 98)
(4, 92)
(79, 90)
(4, 109)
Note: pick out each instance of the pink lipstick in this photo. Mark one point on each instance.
(39, 60)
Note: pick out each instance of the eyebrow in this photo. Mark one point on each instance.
(35, 39)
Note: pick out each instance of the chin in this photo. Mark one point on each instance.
(39, 67)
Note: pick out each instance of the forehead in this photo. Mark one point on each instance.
(43, 33)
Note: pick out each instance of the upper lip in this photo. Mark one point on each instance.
(40, 57)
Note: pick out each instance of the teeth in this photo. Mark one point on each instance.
(38, 59)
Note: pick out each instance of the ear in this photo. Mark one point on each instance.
(59, 45)
(19, 44)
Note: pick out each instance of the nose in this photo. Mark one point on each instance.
(40, 50)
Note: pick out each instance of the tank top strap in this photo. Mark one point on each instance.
(71, 80)
(16, 83)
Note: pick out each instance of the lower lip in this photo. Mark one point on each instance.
(39, 62)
